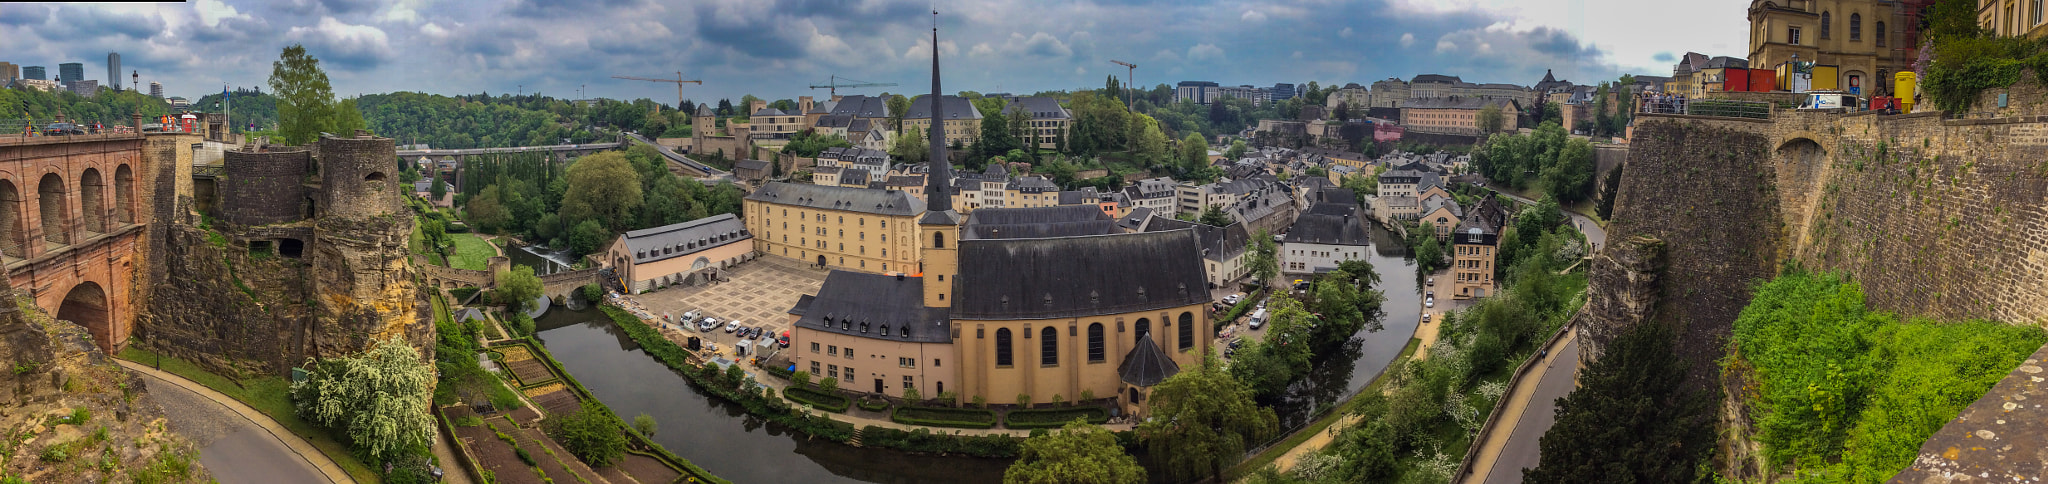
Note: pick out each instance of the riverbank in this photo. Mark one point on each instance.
(1320, 427)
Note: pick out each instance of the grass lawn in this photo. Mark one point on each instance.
(1273, 453)
(270, 395)
(471, 252)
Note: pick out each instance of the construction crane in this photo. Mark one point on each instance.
(1130, 69)
(678, 81)
(834, 84)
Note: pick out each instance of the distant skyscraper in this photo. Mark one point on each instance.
(114, 70)
(156, 90)
(9, 71)
(34, 72)
(1283, 91)
(70, 71)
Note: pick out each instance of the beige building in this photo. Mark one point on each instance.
(857, 229)
(1867, 39)
(1442, 213)
(2013, 18)
(962, 119)
(1474, 245)
(684, 253)
(1459, 115)
(1049, 121)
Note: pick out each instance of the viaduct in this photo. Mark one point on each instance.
(73, 225)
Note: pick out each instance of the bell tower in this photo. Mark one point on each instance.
(940, 225)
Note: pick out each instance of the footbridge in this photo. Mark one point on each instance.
(555, 286)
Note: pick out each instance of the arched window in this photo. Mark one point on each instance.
(1882, 33)
(1095, 342)
(938, 240)
(1827, 23)
(1855, 26)
(124, 193)
(1144, 326)
(1187, 330)
(1049, 347)
(1002, 346)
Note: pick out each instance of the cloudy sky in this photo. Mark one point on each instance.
(777, 48)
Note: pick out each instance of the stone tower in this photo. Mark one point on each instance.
(703, 124)
(362, 280)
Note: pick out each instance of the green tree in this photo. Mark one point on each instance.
(588, 237)
(1236, 151)
(1362, 185)
(1203, 420)
(1148, 144)
(379, 399)
(645, 424)
(802, 379)
(602, 187)
(1077, 453)
(1490, 119)
(437, 188)
(590, 433)
(898, 105)
(1569, 178)
(305, 103)
(517, 288)
(1263, 258)
(829, 385)
(996, 138)
(911, 147)
(1430, 255)
(1214, 216)
(348, 119)
(486, 211)
(1631, 419)
(1194, 153)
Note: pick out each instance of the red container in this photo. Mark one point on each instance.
(1884, 102)
(1735, 80)
(1763, 80)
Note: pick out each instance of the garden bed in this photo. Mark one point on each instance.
(821, 401)
(1053, 418)
(497, 456)
(966, 418)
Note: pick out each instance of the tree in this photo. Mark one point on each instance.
(1490, 119)
(379, 399)
(348, 119)
(996, 138)
(911, 148)
(437, 188)
(1214, 216)
(1236, 151)
(1430, 255)
(1025, 134)
(1077, 453)
(590, 433)
(1265, 264)
(898, 105)
(518, 288)
(910, 394)
(724, 107)
(434, 233)
(1631, 419)
(802, 379)
(1148, 144)
(602, 187)
(1569, 178)
(1194, 153)
(487, 211)
(1343, 112)
(1203, 420)
(588, 237)
(645, 424)
(305, 103)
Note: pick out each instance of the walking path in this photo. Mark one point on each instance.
(1530, 411)
(300, 447)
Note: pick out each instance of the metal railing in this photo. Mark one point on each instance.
(1720, 108)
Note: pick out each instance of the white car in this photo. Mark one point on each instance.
(732, 326)
(691, 317)
(1429, 303)
(708, 324)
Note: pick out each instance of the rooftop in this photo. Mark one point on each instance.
(678, 240)
(1331, 224)
(1147, 365)
(1039, 222)
(873, 306)
(1005, 279)
(863, 200)
(956, 107)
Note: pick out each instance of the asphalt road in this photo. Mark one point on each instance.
(1594, 233)
(1520, 452)
(232, 448)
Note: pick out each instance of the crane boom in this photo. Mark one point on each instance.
(679, 82)
(833, 84)
(1129, 69)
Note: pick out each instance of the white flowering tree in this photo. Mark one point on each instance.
(379, 398)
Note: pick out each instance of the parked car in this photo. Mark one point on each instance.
(60, 129)
(1429, 303)
(709, 324)
(732, 326)
(1432, 281)
(1430, 294)
(691, 316)
(1233, 299)
(784, 340)
(1259, 318)
(1425, 317)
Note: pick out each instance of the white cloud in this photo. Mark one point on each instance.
(347, 45)
(211, 12)
(1445, 45)
(434, 30)
(1616, 27)
(1252, 16)
(1205, 52)
(1407, 39)
(981, 50)
(1346, 33)
(1080, 71)
(1165, 55)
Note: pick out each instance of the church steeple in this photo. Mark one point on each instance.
(938, 180)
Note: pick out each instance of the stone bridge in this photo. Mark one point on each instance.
(560, 152)
(556, 286)
(74, 218)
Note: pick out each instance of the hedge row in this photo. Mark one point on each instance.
(965, 418)
(924, 440)
(818, 400)
(1053, 418)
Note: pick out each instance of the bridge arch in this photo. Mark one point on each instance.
(13, 235)
(124, 194)
(86, 304)
(92, 199)
(51, 205)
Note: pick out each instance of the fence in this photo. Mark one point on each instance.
(1721, 108)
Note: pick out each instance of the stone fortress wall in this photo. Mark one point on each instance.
(262, 188)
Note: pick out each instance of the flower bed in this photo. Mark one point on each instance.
(821, 401)
(965, 418)
(1053, 418)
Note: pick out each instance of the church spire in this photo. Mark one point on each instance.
(938, 180)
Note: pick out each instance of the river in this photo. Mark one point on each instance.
(722, 439)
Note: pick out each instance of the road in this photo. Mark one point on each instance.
(1594, 232)
(673, 157)
(1520, 450)
(233, 447)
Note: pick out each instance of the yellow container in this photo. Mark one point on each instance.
(1826, 78)
(1904, 84)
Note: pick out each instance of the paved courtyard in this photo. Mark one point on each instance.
(759, 293)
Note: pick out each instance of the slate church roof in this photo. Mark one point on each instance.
(878, 202)
(863, 304)
(1330, 223)
(1044, 278)
(1038, 222)
(1147, 365)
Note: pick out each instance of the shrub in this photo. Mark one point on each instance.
(590, 433)
(944, 417)
(801, 379)
(462, 294)
(1053, 418)
(523, 456)
(874, 405)
(829, 385)
(821, 401)
(81, 415)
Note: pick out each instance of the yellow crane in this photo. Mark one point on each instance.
(678, 81)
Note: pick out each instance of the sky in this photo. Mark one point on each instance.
(776, 49)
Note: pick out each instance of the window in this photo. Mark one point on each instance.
(849, 374)
(1827, 22)
(938, 240)
(834, 350)
(1095, 342)
(1049, 347)
(849, 352)
(1882, 33)
(1002, 346)
(1855, 26)
(1144, 326)
(814, 368)
(2036, 20)
(814, 347)
(935, 362)
(1187, 330)
(1792, 35)
(908, 382)
(834, 371)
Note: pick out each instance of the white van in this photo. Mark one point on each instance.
(1258, 318)
(1830, 100)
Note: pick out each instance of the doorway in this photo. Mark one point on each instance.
(878, 386)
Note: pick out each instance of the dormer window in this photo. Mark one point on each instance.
(885, 330)
(845, 325)
(863, 327)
